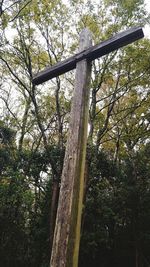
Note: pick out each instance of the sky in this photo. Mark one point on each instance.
(147, 28)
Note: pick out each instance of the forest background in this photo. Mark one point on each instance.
(33, 132)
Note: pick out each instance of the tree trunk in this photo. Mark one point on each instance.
(53, 210)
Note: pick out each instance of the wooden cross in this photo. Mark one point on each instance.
(68, 221)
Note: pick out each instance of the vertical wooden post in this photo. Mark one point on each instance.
(67, 229)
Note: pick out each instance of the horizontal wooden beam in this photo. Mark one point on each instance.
(96, 51)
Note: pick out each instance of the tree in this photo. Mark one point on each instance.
(34, 122)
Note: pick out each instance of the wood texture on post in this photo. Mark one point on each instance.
(68, 222)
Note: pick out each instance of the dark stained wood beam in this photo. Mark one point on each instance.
(96, 51)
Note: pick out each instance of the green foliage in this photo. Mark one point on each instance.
(34, 125)
(6, 134)
(117, 213)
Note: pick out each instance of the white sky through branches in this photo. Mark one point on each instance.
(10, 33)
(147, 27)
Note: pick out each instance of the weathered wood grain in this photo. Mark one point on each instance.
(67, 229)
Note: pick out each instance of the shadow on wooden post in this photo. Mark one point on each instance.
(68, 222)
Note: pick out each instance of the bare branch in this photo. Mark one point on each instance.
(17, 15)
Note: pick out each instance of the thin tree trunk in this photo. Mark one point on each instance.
(53, 210)
(136, 256)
